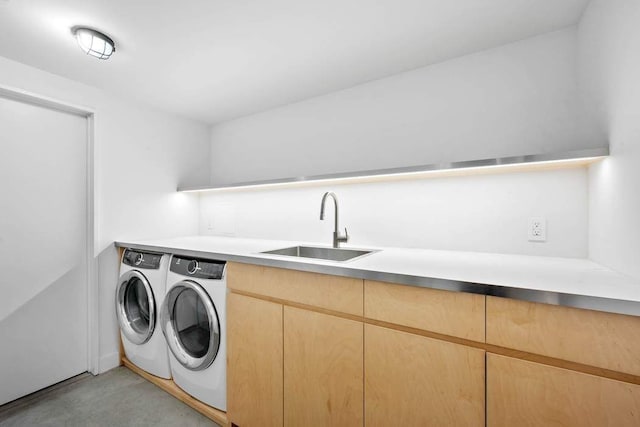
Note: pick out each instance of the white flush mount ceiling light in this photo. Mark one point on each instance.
(94, 42)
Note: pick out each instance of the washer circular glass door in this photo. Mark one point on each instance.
(135, 307)
(191, 326)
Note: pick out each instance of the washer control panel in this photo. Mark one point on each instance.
(198, 267)
(148, 260)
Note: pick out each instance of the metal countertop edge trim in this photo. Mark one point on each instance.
(609, 305)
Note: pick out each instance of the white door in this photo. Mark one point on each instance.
(43, 238)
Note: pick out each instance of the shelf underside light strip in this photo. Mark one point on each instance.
(472, 167)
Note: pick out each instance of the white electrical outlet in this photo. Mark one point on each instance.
(537, 231)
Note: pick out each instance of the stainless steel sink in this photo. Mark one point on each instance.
(331, 254)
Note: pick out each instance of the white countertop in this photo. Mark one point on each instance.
(542, 275)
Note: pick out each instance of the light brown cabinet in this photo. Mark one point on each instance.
(521, 393)
(301, 352)
(322, 369)
(254, 361)
(293, 366)
(313, 349)
(412, 380)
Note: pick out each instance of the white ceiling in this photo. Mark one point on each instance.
(214, 60)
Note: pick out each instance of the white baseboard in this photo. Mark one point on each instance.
(109, 361)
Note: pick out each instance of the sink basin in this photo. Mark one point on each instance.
(331, 254)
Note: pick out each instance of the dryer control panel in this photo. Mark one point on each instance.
(148, 260)
(198, 267)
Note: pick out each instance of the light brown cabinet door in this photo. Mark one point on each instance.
(521, 393)
(412, 380)
(323, 369)
(254, 362)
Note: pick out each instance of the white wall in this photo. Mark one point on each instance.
(484, 213)
(609, 53)
(521, 98)
(141, 158)
(515, 99)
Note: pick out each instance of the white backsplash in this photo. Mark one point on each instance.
(484, 213)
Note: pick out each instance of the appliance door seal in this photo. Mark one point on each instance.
(191, 325)
(135, 307)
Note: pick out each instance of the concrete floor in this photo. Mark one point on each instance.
(116, 398)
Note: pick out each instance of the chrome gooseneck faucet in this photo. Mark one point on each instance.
(337, 237)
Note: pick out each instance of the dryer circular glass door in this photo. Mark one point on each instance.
(136, 307)
(191, 326)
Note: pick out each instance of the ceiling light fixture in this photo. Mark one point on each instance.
(94, 42)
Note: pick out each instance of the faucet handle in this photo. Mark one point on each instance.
(345, 237)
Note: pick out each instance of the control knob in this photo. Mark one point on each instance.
(138, 259)
(193, 267)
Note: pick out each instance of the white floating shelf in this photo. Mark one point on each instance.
(473, 167)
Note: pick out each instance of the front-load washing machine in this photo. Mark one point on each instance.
(139, 295)
(193, 320)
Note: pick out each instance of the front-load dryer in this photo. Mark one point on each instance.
(139, 295)
(193, 320)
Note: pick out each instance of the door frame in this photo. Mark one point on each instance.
(93, 319)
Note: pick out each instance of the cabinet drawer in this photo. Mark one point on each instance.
(521, 393)
(605, 340)
(336, 293)
(456, 314)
